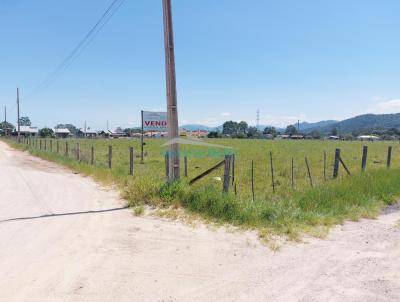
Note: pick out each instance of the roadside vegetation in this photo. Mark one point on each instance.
(288, 211)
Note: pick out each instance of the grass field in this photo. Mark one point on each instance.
(287, 210)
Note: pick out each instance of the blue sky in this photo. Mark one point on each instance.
(309, 60)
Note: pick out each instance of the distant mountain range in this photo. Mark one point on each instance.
(197, 127)
(306, 127)
(364, 123)
(359, 123)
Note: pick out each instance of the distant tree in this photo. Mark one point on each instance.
(46, 132)
(334, 132)
(25, 121)
(7, 127)
(393, 131)
(291, 130)
(243, 127)
(119, 130)
(315, 134)
(128, 131)
(252, 132)
(240, 135)
(270, 130)
(348, 137)
(230, 127)
(214, 134)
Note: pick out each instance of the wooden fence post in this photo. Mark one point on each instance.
(233, 169)
(40, 144)
(131, 167)
(309, 172)
(51, 145)
(185, 165)
(78, 151)
(272, 171)
(364, 158)
(336, 163)
(45, 144)
(252, 179)
(92, 155)
(389, 157)
(292, 173)
(166, 158)
(227, 173)
(66, 149)
(324, 165)
(109, 156)
(58, 147)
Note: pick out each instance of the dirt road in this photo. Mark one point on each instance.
(65, 238)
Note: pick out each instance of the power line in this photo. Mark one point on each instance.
(81, 46)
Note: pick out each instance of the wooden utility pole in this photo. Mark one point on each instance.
(5, 120)
(172, 108)
(85, 130)
(19, 127)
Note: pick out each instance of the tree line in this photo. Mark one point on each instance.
(243, 130)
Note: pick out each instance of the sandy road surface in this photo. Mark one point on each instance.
(89, 249)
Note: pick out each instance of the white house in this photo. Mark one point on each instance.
(62, 133)
(89, 133)
(28, 131)
(369, 138)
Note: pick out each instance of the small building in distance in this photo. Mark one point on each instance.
(200, 133)
(62, 133)
(117, 133)
(154, 134)
(196, 133)
(89, 133)
(297, 136)
(334, 137)
(268, 136)
(370, 138)
(28, 131)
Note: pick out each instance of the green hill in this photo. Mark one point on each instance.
(363, 123)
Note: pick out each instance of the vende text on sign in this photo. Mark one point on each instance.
(154, 121)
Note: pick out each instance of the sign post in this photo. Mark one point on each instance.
(152, 121)
(142, 143)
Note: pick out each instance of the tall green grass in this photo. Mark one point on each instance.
(289, 212)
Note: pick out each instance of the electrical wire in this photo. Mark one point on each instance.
(77, 51)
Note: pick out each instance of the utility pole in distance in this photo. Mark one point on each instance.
(5, 121)
(19, 127)
(172, 107)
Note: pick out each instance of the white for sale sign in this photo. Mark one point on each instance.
(155, 121)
